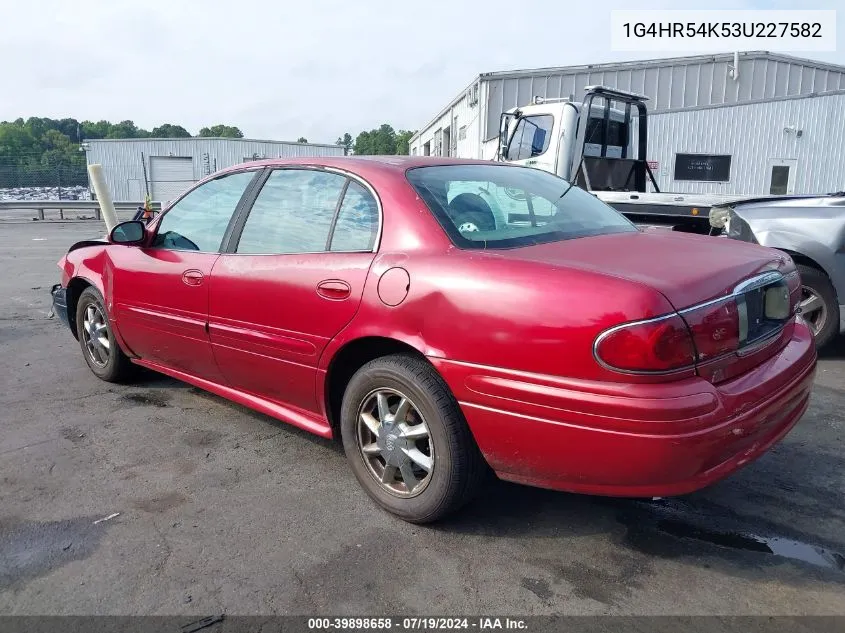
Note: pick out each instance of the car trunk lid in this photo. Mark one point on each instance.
(733, 296)
(687, 269)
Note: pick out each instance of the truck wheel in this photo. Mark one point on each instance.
(99, 347)
(819, 306)
(407, 441)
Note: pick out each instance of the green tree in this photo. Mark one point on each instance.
(38, 126)
(70, 128)
(16, 141)
(345, 142)
(60, 153)
(54, 139)
(403, 137)
(381, 141)
(92, 130)
(126, 129)
(221, 131)
(168, 130)
(302, 139)
(362, 144)
(38, 152)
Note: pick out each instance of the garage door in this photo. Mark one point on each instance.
(170, 176)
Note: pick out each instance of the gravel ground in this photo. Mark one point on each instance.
(225, 510)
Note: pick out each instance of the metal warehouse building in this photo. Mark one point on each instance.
(769, 123)
(166, 167)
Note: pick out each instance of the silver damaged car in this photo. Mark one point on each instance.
(812, 230)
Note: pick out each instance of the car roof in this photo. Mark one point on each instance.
(361, 164)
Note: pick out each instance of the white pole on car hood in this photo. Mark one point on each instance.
(98, 181)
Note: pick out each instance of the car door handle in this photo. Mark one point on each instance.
(192, 277)
(334, 289)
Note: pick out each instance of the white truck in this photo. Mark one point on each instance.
(600, 144)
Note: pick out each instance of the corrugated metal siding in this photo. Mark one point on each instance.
(753, 134)
(461, 114)
(673, 84)
(124, 171)
(169, 176)
(466, 115)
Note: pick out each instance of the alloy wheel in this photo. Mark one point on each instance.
(395, 442)
(95, 335)
(813, 309)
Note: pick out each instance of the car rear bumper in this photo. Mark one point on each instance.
(631, 439)
(60, 303)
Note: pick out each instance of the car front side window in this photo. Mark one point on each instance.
(198, 221)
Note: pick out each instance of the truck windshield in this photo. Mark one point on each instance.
(502, 206)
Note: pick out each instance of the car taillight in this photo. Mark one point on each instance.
(716, 328)
(658, 345)
(756, 311)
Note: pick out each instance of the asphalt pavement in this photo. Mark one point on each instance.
(159, 498)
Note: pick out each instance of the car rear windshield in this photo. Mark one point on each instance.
(501, 206)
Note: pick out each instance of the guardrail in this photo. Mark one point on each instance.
(60, 206)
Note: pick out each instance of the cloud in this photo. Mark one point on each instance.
(286, 69)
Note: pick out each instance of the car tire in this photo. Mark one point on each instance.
(817, 283)
(457, 466)
(99, 347)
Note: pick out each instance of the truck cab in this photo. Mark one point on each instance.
(601, 145)
(543, 135)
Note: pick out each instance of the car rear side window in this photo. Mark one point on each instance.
(357, 220)
(293, 213)
(198, 221)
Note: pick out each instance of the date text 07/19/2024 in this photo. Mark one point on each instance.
(417, 623)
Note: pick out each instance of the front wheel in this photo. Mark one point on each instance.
(407, 441)
(819, 306)
(99, 347)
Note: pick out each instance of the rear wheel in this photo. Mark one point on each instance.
(819, 306)
(407, 441)
(99, 347)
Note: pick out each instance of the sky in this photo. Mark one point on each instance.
(289, 68)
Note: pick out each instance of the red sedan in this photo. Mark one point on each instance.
(446, 316)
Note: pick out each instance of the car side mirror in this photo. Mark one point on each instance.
(130, 233)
